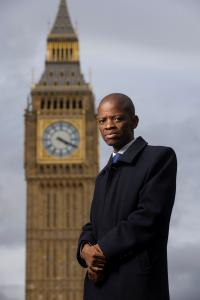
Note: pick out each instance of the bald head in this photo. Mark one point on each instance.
(117, 120)
(120, 100)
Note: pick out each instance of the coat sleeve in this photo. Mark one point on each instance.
(86, 236)
(152, 216)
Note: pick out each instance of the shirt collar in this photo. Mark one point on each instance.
(124, 148)
(132, 153)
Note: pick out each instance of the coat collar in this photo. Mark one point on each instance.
(133, 150)
(130, 153)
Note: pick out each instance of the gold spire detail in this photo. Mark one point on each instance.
(62, 40)
(63, 26)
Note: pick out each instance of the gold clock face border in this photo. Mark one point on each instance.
(78, 156)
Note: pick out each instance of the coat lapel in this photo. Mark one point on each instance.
(130, 154)
(134, 150)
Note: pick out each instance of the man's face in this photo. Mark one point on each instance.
(116, 124)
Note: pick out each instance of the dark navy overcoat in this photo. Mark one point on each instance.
(130, 217)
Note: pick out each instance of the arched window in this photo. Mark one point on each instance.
(67, 104)
(42, 104)
(53, 53)
(62, 54)
(80, 104)
(49, 104)
(55, 104)
(58, 54)
(71, 53)
(74, 104)
(61, 103)
(48, 210)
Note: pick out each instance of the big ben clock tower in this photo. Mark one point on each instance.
(61, 162)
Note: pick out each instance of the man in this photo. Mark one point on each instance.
(124, 246)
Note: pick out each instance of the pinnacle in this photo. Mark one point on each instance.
(63, 25)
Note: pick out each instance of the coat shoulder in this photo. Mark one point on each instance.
(156, 152)
(157, 157)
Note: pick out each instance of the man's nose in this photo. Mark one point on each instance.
(109, 123)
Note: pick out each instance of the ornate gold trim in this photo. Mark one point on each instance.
(78, 156)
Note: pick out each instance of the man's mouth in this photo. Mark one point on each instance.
(111, 135)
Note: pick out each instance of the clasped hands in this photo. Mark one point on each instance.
(95, 260)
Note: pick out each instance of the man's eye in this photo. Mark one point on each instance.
(118, 119)
(101, 121)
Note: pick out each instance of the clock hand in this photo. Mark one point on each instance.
(66, 142)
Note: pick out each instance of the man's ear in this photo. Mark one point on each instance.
(135, 121)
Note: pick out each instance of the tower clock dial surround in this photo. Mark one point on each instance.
(61, 139)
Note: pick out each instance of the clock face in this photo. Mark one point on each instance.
(61, 139)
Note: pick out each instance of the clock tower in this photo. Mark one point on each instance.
(61, 163)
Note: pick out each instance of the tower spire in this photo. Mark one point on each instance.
(62, 58)
(63, 26)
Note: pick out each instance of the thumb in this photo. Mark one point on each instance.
(98, 249)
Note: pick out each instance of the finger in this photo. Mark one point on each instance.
(93, 277)
(96, 269)
(91, 273)
(97, 277)
(96, 259)
(98, 264)
(98, 248)
(93, 270)
(99, 257)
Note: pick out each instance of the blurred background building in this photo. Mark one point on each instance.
(61, 163)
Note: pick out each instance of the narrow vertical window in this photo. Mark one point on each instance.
(73, 262)
(73, 206)
(62, 54)
(61, 104)
(67, 104)
(67, 209)
(54, 209)
(80, 205)
(54, 261)
(48, 260)
(49, 104)
(55, 104)
(42, 104)
(80, 104)
(71, 53)
(48, 211)
(58, 54)
(67, 55)
(53, 53)
(67, 259)
(74, 104)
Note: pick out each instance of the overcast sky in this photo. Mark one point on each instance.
(149, 50)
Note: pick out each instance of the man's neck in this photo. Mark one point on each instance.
(124, 148)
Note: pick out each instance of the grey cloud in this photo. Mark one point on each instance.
(4, 297)
(11, 292)
(164, 25)
(184, 267)
(12, 213)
